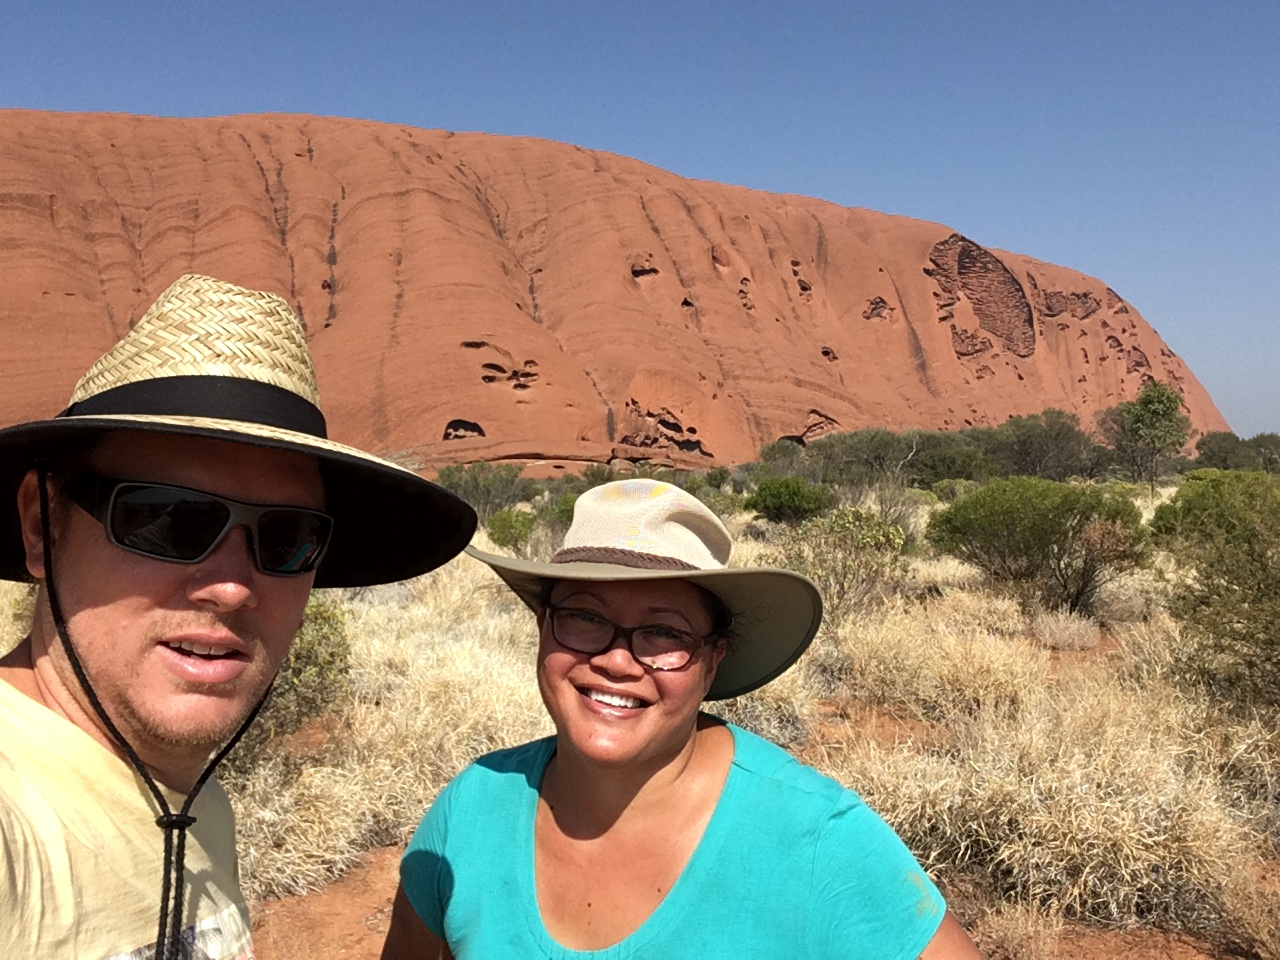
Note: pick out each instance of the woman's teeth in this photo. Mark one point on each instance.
(614, 699)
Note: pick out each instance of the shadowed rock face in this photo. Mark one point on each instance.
(479, 297)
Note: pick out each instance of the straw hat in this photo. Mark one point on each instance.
(210, 359)
(649, 530)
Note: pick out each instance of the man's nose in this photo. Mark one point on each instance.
(227, 578)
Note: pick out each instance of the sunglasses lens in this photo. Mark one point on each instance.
(166, 523)
(291, 541)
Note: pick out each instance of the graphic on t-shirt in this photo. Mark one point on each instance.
(223, 937)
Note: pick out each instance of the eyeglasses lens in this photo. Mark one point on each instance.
(659, 647)
(290, 540)
(166, 523)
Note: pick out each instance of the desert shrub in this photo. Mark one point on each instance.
(852, 555)
(1059, 630)
(789, 499)
(486, 486)
(951, 490)
(511, 529)
(1224, 526)
(1216, 504)
(721, 504)
(313, 681)
(594, 474)
(718, 476)
(1059, 541)
(906, 508)
(559, 511)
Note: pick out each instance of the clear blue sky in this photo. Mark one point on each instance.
(1136, 141)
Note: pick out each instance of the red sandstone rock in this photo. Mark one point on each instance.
(481, 297)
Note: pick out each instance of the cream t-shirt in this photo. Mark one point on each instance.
(81, 857)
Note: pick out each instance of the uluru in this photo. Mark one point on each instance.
(478, 297)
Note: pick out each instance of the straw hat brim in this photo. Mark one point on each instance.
(776, 613)
(389, 523)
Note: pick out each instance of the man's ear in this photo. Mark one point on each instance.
(29, 520)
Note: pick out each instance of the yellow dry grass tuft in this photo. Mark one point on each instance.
(17, 600)
(1061, 630)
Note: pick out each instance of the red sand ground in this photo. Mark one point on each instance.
(480, 297)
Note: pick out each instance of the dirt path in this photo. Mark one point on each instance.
(348, 920)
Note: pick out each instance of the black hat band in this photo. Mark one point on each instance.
(215, 397)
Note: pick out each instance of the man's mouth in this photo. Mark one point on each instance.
(614, 699)
(191, 648)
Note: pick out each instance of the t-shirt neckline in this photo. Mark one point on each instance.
(654, 924)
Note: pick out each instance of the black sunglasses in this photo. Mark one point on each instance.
(181, 525)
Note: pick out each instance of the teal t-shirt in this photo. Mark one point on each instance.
(791, 865)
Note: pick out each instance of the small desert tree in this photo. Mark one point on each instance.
(1223, 450)
(1142, 431)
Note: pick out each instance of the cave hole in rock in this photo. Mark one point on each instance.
(687, 303)
(829, 354)
(474, 344)
(804, 285)
(462, 429)
(638, 271)
(495, 367)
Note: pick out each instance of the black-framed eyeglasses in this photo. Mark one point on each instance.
(182, 525)
(655, 645)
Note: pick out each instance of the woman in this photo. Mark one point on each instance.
(645, 828)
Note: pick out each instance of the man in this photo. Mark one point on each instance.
(175, 516)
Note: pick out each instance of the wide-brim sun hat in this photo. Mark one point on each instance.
(211, 359)
(643, 529)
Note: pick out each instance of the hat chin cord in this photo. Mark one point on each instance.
(169, 938)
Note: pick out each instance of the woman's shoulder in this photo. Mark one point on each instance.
(526, 760)
(773, 768)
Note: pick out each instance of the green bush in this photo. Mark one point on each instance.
(790, 499)
(718, 476)
(559, 511)
(949, 491)
(1215, 504)
(721, 504)
(511, 528)
(313, 681)
(1224, 527)
(852, 555)
(488, 488)
(1059, 541)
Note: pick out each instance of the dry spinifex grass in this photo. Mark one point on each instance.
(1099, 794)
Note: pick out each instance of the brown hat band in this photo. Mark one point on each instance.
(222, 398)
(623, 558)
